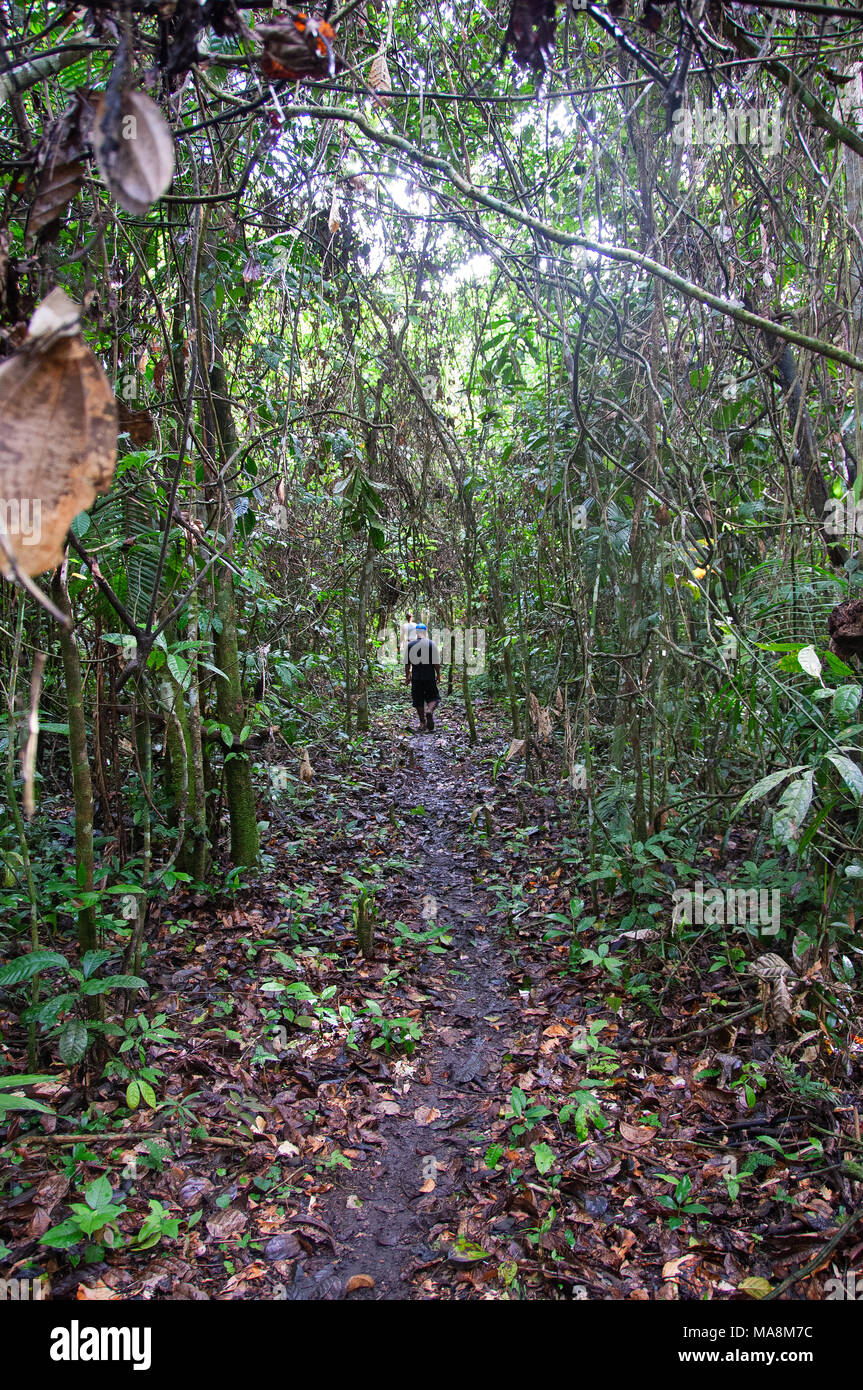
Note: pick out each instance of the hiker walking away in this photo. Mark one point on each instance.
(408, 630)
(422, 673)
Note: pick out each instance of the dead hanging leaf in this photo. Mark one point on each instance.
(134, 150)
(58, 445)
(138, 424)
(307, 773)
(334, 219)
(57, 186)
(253, 270)
(379, 79)
(515, 748)
(59, 171)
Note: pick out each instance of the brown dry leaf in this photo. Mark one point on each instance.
(429, 1185)
(334, 219)
(245, 1276)
(57, 186)
(39, 1223)
(637, 1134)
(781, 1004)
(306, 770)
(770, 967)
(58, 446)
(379, 79)
(388, 1107)
(51, 1191)
(134, 150)
(225, 1224)
(59, 171)
(359, 1281)
(672, 1268)
(97, 1293)
(515, 748)
(425, 1114)
(138, 424)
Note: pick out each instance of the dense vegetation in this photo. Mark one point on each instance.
(559, 348)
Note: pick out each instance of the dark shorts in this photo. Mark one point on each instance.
(423, 688)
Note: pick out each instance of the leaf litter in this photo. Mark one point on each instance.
(466, 1114)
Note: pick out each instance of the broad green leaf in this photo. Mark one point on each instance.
(99, 1194)
(848, 771)
(845, 701)
(73, 1041)
(24, 1079)
(543, 1157)
(179, 669)
(92, 960)
(22, 1103)
(148, 1095)
(791, 810)
(766, 785)
(25, 967)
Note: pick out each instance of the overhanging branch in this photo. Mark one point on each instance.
(621, 254)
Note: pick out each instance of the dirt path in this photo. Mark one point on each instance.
(446, 1091)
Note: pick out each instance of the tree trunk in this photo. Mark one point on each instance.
(82, 786)
(230, 706)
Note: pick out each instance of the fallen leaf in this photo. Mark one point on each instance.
(636, 1134)
(359, 1281)
(227, 1223)
(425, 1114)
(755, 1287)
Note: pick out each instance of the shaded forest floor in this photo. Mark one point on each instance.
(468, 1114)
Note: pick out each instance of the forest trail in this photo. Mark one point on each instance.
(448, 1091)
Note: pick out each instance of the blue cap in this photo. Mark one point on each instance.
(421, 627)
